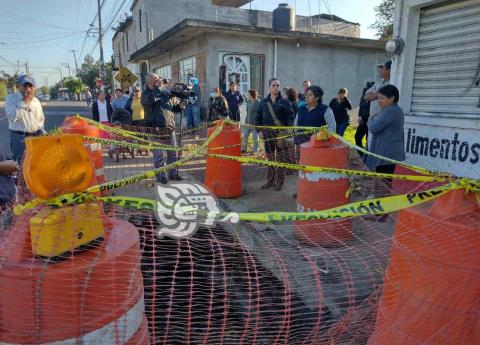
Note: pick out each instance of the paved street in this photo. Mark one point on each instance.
(55, 112)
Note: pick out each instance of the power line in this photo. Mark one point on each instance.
(88, 32)
(44, 40)
(33, 21)
(116, 14)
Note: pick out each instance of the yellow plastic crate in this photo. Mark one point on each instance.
(59, 232)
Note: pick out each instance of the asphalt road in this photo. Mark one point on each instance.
(54, 112)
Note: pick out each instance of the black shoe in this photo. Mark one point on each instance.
(176, 178)
(163, 180)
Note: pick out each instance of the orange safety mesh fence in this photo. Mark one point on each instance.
(408, 278)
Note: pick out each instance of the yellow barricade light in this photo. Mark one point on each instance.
(56, 165)
(56, 233)
(53, 166)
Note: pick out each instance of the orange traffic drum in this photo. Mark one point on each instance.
(224, 177)
(431, 292)
(95, 297)
(320, 191)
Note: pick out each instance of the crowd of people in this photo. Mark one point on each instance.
(154, 109)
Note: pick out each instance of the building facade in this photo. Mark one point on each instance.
(218, 44)
(441, 93)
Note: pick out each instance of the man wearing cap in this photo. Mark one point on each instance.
(372, 93)
(25, 115)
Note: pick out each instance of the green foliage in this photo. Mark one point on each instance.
(3, 89)
(74, 85)
(89, 72)
(384, 19)
(44, 90)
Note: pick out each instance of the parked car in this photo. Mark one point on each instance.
(61, 98)
(44, 97)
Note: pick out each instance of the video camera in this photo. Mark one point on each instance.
(185, 91)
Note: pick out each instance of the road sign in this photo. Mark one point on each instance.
(125, 77)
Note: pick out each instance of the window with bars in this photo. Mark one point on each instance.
(164, 72)
(187, 67)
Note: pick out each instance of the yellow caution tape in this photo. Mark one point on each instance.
(345, 172)
(18, 209)
(412, 167)
(129, 133)
(151, 146)
(375, 206)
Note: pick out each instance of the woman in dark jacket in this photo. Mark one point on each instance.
(340, 106)
(314, 113)
(282, 116)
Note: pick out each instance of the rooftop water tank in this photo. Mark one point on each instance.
(284, 18)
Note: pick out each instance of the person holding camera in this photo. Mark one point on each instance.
(160, 117)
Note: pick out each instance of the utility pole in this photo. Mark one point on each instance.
(61, 76)
(27, 70)
(67, 65)
(100, 43)
(75, 58)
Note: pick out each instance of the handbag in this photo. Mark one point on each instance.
(282, 143)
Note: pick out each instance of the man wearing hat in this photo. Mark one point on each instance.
(25, 115)
(371, 94)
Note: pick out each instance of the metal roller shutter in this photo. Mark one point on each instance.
(447, 66)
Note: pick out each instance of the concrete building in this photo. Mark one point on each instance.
(217, 41)
(123, 45)
(438, 75)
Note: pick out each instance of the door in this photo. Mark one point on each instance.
(238, 70)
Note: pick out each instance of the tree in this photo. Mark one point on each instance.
(3, 89)
(384, 19)
(74, 85)
(89, 72)
(44, 90)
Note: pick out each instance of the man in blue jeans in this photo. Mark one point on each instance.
(25, 115)
(192, 113)
(160, 117)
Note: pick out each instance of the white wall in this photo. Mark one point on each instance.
(407, 15)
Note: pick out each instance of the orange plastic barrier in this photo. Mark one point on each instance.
(95, 297)
(404, 187)
(320, 191)
(224, 177)
(432, 289)
(82, 127)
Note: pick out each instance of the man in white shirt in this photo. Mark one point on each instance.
(102, 109)
(25, 115)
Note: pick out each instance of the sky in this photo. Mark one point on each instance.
(43, 33)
